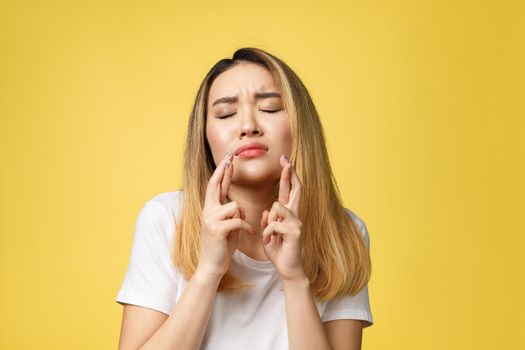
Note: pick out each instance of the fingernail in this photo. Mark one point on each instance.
(227, 154)
(285, 157)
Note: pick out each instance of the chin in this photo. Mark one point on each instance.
(256, 175)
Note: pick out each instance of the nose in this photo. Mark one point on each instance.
(248, 123)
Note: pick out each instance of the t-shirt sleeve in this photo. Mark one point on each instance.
(151, 280)
(354, 307)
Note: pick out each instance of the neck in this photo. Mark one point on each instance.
(254, 200)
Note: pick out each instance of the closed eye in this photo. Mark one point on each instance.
(226, 116)
(262, 110)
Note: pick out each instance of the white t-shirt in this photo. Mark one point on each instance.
(254, 319)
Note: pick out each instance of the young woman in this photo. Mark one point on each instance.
(256, 251)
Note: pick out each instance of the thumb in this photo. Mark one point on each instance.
(264, 219)
(243, 213)
(233, 238)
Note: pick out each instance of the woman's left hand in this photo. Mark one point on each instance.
(281, 235)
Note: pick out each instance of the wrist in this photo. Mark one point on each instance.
(299, 281)
(205, 276)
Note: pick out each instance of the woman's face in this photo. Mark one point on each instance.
(244, 106)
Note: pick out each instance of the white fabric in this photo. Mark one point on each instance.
(255, 319)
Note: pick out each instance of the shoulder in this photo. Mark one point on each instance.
(171, 202)
(360, 224)
(162, 212)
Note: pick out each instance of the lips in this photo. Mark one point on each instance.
(251, 145)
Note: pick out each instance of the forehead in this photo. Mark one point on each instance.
(242, 78)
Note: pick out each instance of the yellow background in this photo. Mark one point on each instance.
(423, 108)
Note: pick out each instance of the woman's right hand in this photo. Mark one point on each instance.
(220, 224)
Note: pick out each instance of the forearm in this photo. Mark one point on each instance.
(305, 329)
(185, 327)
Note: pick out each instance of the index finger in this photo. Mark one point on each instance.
(213, 190)
(285, 182)
(295, 194)
(225, 183)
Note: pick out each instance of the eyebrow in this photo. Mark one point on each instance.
(257, 95)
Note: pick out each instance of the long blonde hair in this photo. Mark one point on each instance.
(335, 254)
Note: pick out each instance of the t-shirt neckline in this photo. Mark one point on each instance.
(265, 265)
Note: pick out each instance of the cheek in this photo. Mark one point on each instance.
(286, 137)
(213, 141)
(218, 140)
